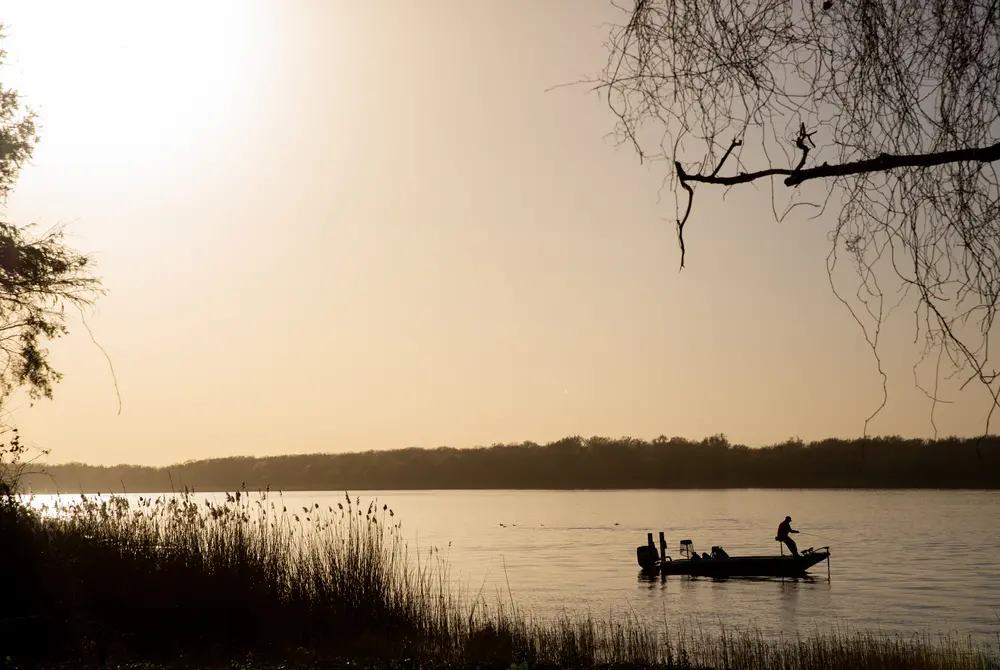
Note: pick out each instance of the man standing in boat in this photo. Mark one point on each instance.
(784, 528)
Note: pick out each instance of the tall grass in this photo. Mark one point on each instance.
(173, 578)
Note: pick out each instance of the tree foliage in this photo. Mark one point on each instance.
(570, 463)
(40, 276)
(884, 112)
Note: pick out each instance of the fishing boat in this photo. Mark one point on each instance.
(721, 564)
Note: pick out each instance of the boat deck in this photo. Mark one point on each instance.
(743, 566)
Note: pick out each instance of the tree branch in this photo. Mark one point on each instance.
(690, 191)
(682, 221)
(880, 163)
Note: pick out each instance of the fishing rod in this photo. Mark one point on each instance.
(822, 537)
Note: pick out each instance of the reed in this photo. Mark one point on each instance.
(175, 581)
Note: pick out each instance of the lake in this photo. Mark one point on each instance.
(902, 561)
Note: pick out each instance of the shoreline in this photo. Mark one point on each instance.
(582, 489)
(571, 464)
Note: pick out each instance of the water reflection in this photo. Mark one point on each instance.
(654, 579)
(788, 601)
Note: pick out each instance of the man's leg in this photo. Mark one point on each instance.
(792, 547)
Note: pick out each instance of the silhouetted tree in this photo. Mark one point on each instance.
(39, 277)
(886, 110)
(571, 463)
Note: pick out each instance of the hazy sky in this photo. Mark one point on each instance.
(329, 225)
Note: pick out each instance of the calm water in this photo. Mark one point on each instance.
(906, 561)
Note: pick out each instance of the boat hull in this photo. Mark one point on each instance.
(742, 566)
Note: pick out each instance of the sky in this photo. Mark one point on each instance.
(332, 225)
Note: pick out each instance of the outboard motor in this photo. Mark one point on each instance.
(646, 555)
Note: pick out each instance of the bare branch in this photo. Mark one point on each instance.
(683, 220)
(735, 143)
(902, 102)
(881, 163)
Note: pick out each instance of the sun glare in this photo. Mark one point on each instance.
(126, 87)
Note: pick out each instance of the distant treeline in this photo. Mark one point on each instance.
(570, 463)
